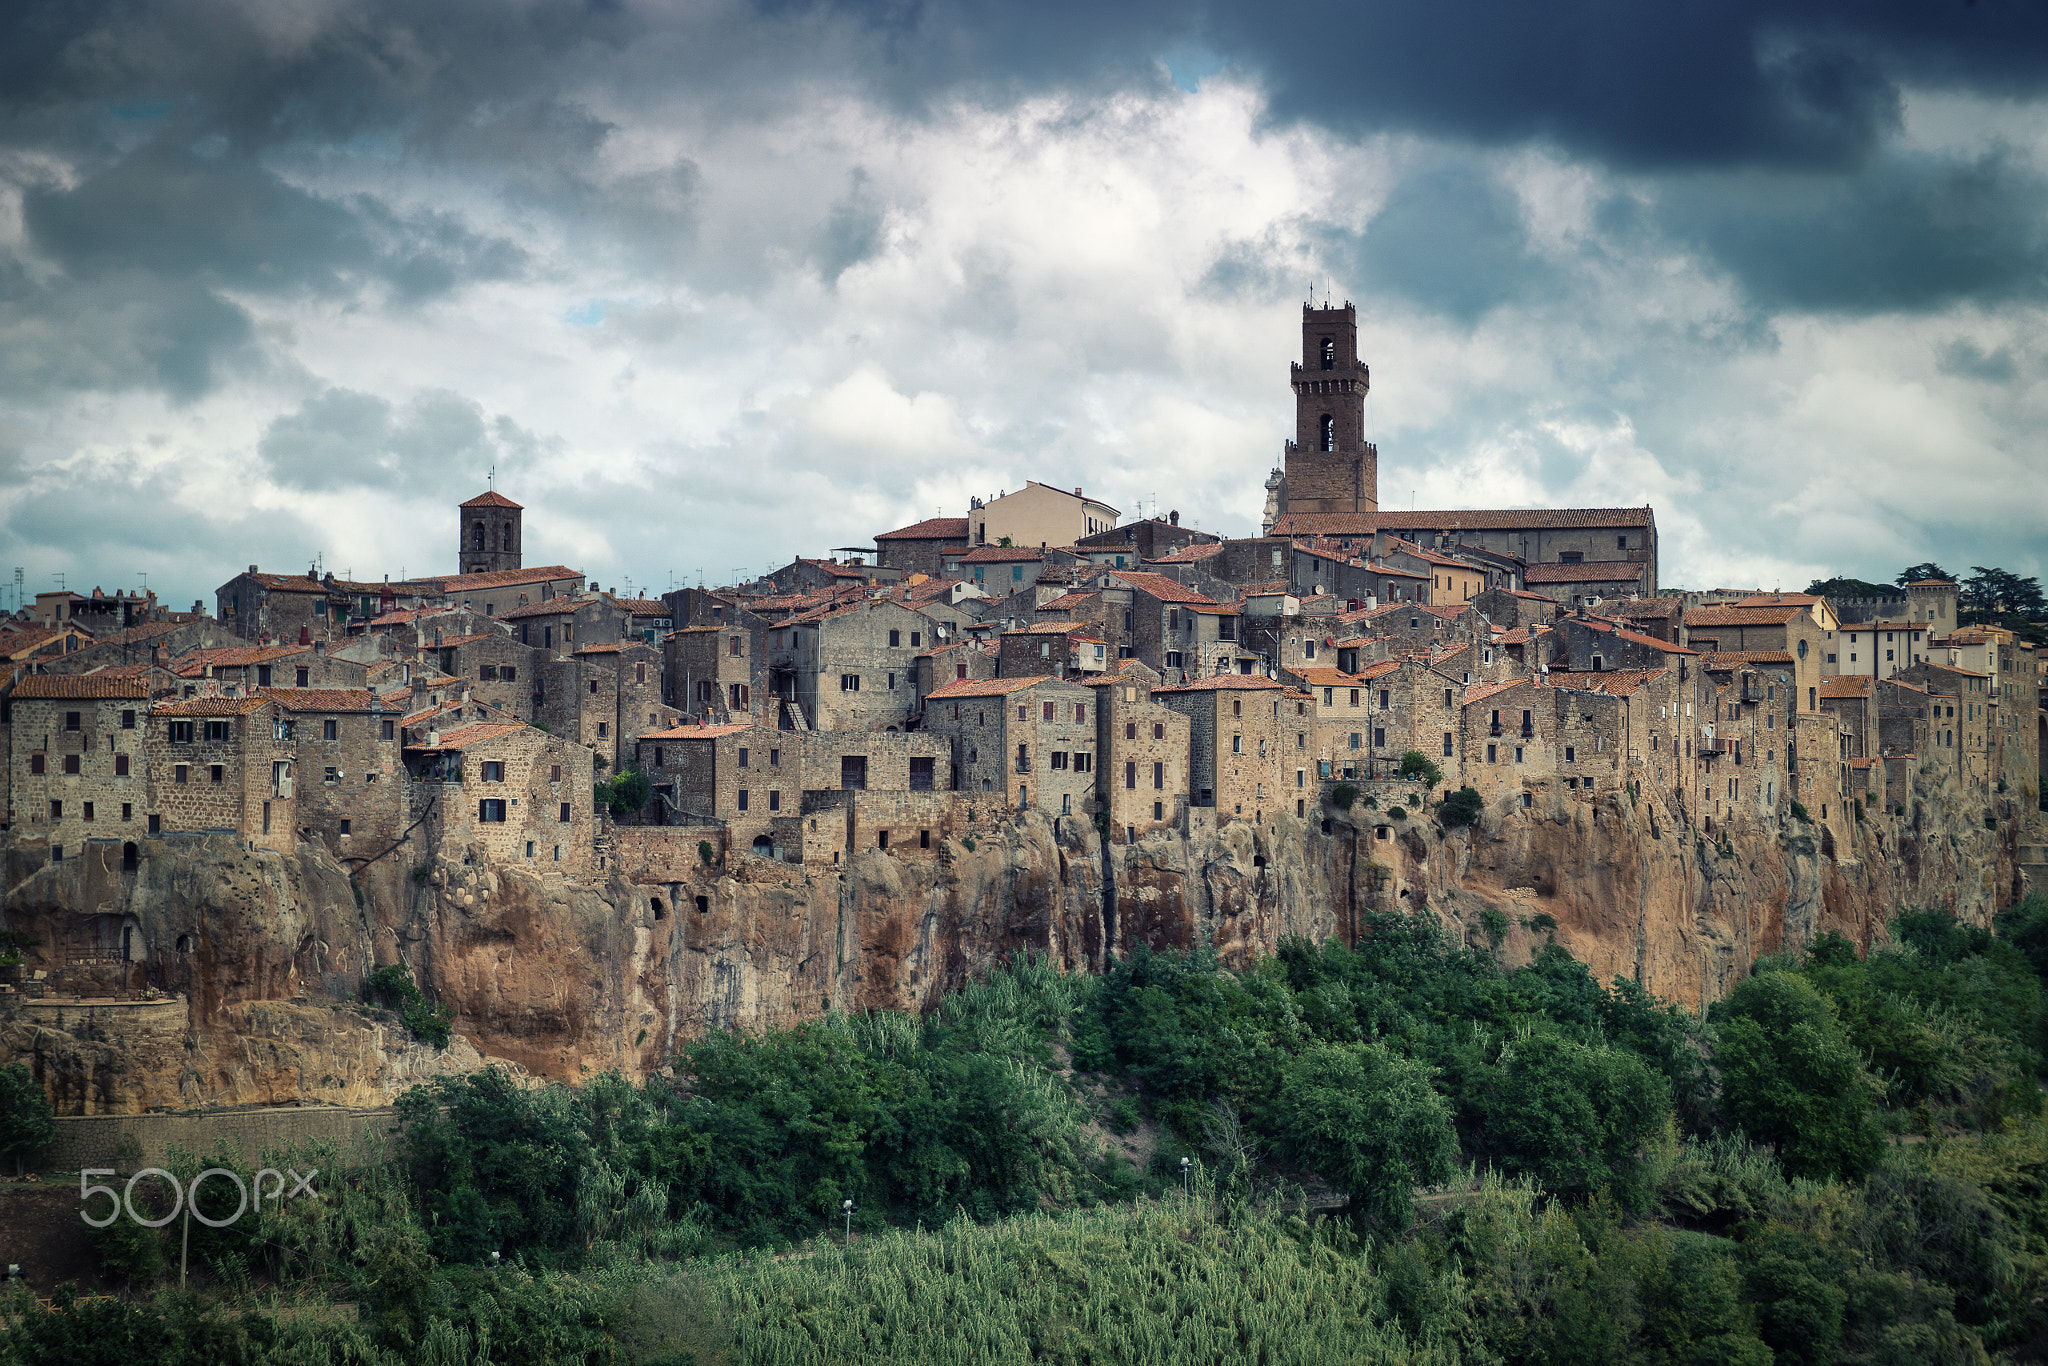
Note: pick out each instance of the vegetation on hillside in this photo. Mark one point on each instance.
(1403, 1151)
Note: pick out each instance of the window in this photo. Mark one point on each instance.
(1491, 756)
(1131, 776)
(120, 765)
(88, 811)
(1354, 697)
(181, 773)
(216, 774)
(71, 720)
(603, 729)
(300, 681)
(1158, 730)
(1379, 737)
(1329, 354)
(1173, 659)
(849, 682)
(494, 771)
(491, 810)
(1447, 744)
(563, 817)
(1354, 740)
(35, 763)
(916, 639)
(1083, 763)
(1518, 754)
(743, 757)
(1059, 760)
(895, 638)
(743, 799)
(330, 775)
(892, 682)
(71, 762)
(775, 760)
(1237, 744)
(216, 732)
(1329, 432)
(328, 729)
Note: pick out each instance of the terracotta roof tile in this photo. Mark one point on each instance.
(1721, 660)
(985, 687)
(474, 733)
(1158, 585)
(1227, 683)
(1191, 554)
(1741, 616)
(494, 578)
(1001, 554)
(493, 499)
(1838, 686)
(323, 699)
(698, 732)
(212, 706)
(101, 685)
(1613, 682)
(930, 529)
(1604, 571)
(552, 607)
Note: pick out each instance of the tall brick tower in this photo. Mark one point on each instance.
(487, 527)
(1329, 466)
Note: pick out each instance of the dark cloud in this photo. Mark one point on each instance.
(852, 231)
(1915, 233)
(1965, 358)
(119, 330)
(1451, 238)
(343, 438)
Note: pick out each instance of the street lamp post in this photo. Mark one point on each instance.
(849, 1207)
(1185, 1164)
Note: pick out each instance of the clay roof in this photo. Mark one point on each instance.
(195, 663)
(1001, 554)
(930, 529)
(300, 583)
(1158, 585)
(1055, 628)
(1067, 602)
(1604, 571)
(698, 732)
(1227, 683)
(1623, 633)
(1271, 588)
(212, 706)
(1742, 616)
(1634, 607)
(640, 607)
(1861, 763)
(1189, 554)
(603, 647)
(494, 578)
(474, 733)
(1502, 519)
(94, 685)
(1327, 678)
(493, 499)
(1858, 686)
(553, 607)
(135, 635)
(1380, 668)
(1430, 556)
(1538, 597)
(985, 687)
(1614, 682)
(1932, 583)
(1214, 609)
(1779, 600)
(323, 699)
(1719, 660)
(941, 649)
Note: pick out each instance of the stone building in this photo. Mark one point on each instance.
(953, 662)
(349, 774)
(850, 667)
(1234, 743)
(507, 791)
(741, 774)
(1329, 466)
(237, 671)
(487, 528)
(1158, 627)
(76, 764)
(921, 547)
(620, 689)
(1135, 544)
(498, 591)
(222, 763)
(1142, 779)
(299, 607)
(565, 622)
(1022, 741)
(1063, 649)
(1583, 644)
(713, 671)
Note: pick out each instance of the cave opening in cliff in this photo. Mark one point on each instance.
(660, 911)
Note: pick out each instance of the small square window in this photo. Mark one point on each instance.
(216, 774)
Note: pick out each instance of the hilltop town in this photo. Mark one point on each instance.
(1137, 684)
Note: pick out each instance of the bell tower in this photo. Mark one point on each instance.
(487, 528)
(1329, 465)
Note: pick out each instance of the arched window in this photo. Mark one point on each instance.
(508, 537)
(1329, 354)
(479, 535)
(1329, 432)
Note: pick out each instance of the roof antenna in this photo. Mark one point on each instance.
(491, 479)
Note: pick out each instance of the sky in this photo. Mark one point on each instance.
(708, 285)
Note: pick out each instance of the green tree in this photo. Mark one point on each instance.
(1416, 764)
(628, 791)
(1927, 569)
(1461, 808)
(1991, 593)
(26, 1124)
(1576, 1117)
(1790, 1077)
(1841, 586)
(1370, 1123)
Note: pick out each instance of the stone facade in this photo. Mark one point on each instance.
(513, 794)
(222, 763)
(76, 767)
(488, 534)
(1023, 742)
(1142, 778)
(349, 772)
(851, 669)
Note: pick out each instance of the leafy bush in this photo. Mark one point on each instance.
(1343, 795)
(1369, 1122)
(27, 1124)
(429, 1023)
(626, 793)
(1416, 764)
(1461, 808)
(1790, 1077)
(1396, 813)
(705, 852)
(1799, 813)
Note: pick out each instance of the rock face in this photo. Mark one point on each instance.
(256, 958)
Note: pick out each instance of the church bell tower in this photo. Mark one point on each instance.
(487, 527)
(1329, 466)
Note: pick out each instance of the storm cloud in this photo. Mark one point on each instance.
(706, 285)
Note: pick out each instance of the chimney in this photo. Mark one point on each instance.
(305, 635)
(252, 569)
(1077, 490)
(1174, 517)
